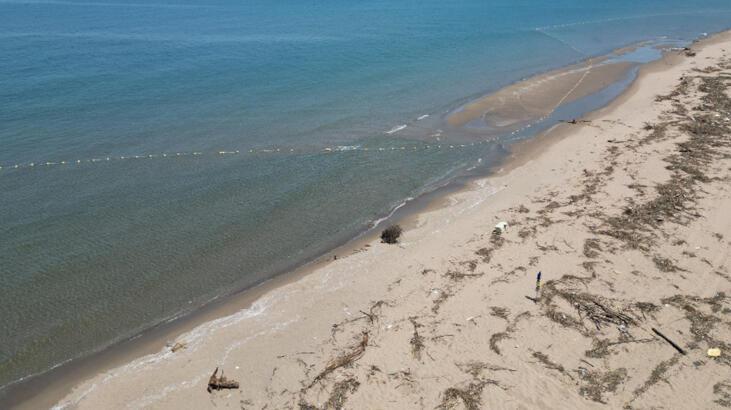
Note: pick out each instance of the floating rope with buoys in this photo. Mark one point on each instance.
(331, 150)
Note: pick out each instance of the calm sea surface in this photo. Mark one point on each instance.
(136, 197)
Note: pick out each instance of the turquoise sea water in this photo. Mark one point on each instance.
(97, 245)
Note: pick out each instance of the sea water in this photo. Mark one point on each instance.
(156, 155)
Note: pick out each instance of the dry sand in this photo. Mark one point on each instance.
(626, 215)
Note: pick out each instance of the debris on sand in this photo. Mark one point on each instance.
(178, 346)
(547, 363)
(470, 395)
(457, 275)
(355, 353)
(657, 375)
(723, 389)
(417, 340)
(338, 396)
(591, 248)
(219, 383)
(391, 234)
(596, 383)
(596, 309)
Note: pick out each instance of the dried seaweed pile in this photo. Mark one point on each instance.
(417, 340)
(345, 359)
(598, 310)
(708, 131)
(595, 383)
(470, 396)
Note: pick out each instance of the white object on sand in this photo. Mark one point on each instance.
(714, 352)
(502, 226)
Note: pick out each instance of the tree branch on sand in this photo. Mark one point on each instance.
(218, 383)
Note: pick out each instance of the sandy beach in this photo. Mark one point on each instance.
(625, 214)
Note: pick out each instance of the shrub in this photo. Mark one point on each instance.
(391, 234)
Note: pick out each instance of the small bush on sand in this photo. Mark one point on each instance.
(391, 234)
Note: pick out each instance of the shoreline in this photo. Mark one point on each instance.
(523, 152)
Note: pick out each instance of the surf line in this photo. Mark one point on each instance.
(340, 149)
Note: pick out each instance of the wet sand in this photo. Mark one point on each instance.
(535, 98)
(445, 311)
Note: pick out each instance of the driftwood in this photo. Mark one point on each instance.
(178, 346)
(605, 315)
(218, 383)
(678, 348)
(573, 121)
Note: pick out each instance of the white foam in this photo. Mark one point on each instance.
(344, 148)
(393, 211)
(396, 129)
(422, 117)
(192, 341)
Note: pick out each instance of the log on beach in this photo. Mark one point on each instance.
(219, 383)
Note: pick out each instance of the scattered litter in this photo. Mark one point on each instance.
(500, 228)
(714, 352)
(178, 346)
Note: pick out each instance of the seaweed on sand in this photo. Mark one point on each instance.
(443, 296)
(495, 339)
(470, 395)
(457, 275)
(701, 323)
(598, 310)
(658, 374)
(498, 337)
(485, 253)
(417, 340)
(352, 355)
(547, 363)
(591, 248)
(500, 312)
(665, 264)
(475, 368)
(600, 347)
(723, 389)
(675, 198)
(374, 311)
(338, 396)
(596, 383)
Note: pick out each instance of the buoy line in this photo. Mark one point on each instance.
(331, 150)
